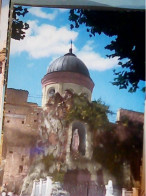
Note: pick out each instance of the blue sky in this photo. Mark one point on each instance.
(48, 38)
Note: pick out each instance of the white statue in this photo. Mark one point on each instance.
(75, 140)
(4, 193)
(109, 189)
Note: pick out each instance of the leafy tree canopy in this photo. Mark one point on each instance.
(18, 26)
(118, 145)
(129, 29)
(94, 113)
(72, 107)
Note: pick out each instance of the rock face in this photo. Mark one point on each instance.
(55, 156)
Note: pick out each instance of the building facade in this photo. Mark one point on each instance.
(20, 132)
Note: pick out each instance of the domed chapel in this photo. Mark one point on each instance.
(67, 72)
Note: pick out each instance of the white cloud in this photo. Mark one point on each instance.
(94, 61)
(37, 11)
(49, 41)
(44, 41)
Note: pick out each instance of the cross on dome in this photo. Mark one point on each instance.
(70, 50)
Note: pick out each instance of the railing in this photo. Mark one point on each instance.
(42, 187)
(130, 193)
(49, 188)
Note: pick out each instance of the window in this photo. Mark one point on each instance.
(51, 92)
(23, 122)
(20, 168)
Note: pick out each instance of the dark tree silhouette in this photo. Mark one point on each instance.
(129, 45)
(120, 144)
(18, 26)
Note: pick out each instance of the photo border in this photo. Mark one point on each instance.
(52, 4)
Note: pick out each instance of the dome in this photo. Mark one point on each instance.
(68, 63)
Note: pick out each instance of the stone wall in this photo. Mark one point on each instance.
(14, 96)
(131, 115)
(20, 129)
(17, 164)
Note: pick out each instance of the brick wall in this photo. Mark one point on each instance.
(20, 129)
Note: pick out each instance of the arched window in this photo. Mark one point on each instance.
(51, 92)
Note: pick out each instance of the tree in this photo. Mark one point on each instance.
(121, 144)
(18, 26)
(129, 44)
(72, 107)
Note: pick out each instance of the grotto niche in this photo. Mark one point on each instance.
(78, 141)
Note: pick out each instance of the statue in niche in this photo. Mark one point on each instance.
(75, 141)
(109, 188)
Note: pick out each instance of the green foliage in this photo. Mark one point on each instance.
(94, 113)
(120, 144)
(105, 151)
(128, 46)
(48, 161)
(58, 176)
(77, 107)
(18, 26)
